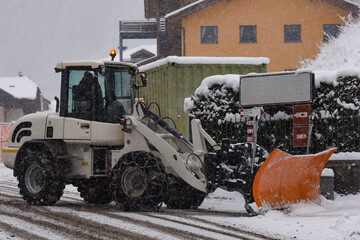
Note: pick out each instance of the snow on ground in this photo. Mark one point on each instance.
(325, 219)
(6, 174)
(345, 156)
(338, 219)
(5, 235)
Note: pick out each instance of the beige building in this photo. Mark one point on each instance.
(285, 31)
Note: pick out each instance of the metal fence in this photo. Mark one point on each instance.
(342, 132)
(4, 133)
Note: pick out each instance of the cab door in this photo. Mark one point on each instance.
(77, 103)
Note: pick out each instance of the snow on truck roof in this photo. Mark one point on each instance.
(206, 60)
(92, 63)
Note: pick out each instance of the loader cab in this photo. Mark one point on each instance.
(97, 91)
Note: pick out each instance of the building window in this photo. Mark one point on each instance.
(292, 33)
(331, 31)
(248, 34)
(209, 34)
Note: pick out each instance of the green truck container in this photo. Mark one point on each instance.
(173, 79)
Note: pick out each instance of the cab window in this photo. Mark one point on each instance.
(102, 95)
(118, 93)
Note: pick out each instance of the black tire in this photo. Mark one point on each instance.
(95, 191)
(139, 182)
(39, 181)
(181, 195)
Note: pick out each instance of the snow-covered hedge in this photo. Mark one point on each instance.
(337, 95)
(215, 100)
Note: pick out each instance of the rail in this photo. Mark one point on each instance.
(342, 132)
(148, 26)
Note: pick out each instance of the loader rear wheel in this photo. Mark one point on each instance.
(39, 181)
(139, 182)
(95, 191)
(181, 195)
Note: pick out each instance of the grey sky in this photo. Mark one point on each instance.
(36, 34)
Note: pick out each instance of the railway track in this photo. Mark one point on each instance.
(72, 218)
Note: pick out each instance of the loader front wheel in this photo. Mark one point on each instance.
(183, 196)
(95, 191)
(139, 182)
(39, 182)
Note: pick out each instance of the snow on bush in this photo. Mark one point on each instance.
(338, 98)
(340, 53)
(337, 71)
(215, 99)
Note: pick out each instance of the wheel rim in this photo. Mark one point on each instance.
(34, 179)
(134, 182)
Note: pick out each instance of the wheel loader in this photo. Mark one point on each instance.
(113, 147)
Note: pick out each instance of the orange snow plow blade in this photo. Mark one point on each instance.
(283, 178)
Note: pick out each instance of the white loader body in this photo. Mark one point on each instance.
(80, 135)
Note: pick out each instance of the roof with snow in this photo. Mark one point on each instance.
(206, 60)
(201, 4)
(128, 52)
(19, 87)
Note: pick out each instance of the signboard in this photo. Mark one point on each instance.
(250, 131)
(301, 114)
(300, 136)
(301, 125)
(251, 112)
(250, 139)
(276, 88)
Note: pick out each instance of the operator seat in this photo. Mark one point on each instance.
(88, 98)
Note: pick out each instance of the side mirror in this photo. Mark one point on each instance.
(144, 79)
(133, 71)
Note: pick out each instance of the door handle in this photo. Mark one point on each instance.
(84, 126)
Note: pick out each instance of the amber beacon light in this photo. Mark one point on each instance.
(112, 54)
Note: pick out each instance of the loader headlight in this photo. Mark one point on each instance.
(125, 122)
